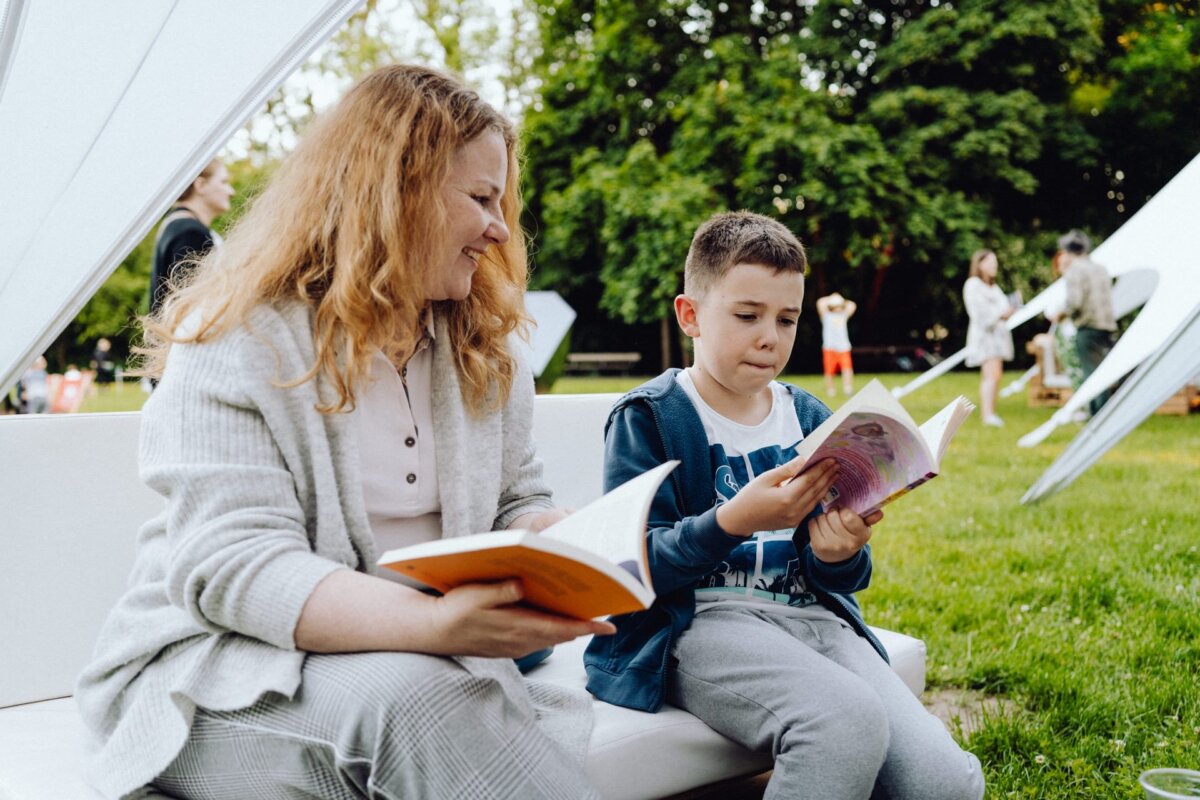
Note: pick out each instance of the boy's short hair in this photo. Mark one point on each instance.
(739, 237)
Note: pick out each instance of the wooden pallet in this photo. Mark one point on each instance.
(1182, 403)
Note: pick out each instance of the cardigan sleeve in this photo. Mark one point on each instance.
(239, 555)
(523, 488)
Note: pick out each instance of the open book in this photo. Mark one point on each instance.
(882, 453)
(591, 564)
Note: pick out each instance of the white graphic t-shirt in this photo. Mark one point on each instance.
(766, 568)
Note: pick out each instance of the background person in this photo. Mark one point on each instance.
(337, 381)
(184, 236)
(33, 390)
(835, 312)
(104, 365)
(1089, 307)
(989, 342)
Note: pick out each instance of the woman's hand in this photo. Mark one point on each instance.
(839, 534)
(540, 520)
(480, 619)
(778, 498)
(350, 612)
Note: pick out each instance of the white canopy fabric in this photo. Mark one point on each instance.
(1155, 259)
(1143, 391)
(553, 318)
(107, 112)
(1163, 236)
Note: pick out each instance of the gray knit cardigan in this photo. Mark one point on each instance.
(263, 501)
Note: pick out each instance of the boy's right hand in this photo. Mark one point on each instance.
(779, 498)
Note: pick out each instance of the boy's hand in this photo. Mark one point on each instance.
(778, 498)
(840, 534)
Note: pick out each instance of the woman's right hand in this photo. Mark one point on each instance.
(481, 619)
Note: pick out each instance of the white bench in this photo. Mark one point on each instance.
(70, 505)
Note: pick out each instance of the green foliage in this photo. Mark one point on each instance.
(894, 136)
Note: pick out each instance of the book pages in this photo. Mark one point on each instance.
(614, 526)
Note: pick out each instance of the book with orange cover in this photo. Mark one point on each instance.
(591, 564)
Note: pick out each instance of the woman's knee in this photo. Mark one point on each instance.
(381, 694)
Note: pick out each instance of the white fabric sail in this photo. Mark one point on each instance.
(1163, 236)
(107, 112)
(1155, 260)
(1142, 392)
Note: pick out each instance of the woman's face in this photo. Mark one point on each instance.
(215, 190)
(988, 266)
(472, 194)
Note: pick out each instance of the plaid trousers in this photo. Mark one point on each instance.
(381, 726)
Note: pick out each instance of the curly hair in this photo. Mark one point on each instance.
(348, 226)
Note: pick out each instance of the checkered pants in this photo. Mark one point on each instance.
(378, 725)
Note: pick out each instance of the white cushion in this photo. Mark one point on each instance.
(73, 489)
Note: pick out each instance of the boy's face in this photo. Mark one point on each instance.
(744, 327)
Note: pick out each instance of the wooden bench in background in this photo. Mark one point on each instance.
(587, 363)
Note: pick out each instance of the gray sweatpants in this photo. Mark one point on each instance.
(837, 718)
(381, 726)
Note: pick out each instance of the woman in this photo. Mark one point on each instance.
(989, 342)
(184, 235)
(335, 382)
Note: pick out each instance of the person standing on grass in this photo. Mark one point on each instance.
(1089, 306)
(835, 312)
(989, 341)
(755, 628)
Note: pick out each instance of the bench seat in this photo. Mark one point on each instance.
(71, 503)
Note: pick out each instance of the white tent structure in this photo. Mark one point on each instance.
(1155, 259)
(95, 141)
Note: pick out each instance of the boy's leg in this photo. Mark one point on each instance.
(376, 725)
(923, 760)
(847, 373)
(829, 367)
(763, 686)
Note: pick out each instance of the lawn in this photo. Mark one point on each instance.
(1068, 632)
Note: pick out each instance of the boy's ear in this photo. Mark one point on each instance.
(685, 314)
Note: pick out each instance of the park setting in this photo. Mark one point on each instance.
(951, 169)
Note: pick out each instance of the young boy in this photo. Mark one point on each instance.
(835, 312)
(755, 629)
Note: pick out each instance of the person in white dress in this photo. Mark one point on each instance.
(989, 342)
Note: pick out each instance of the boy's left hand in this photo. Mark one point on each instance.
(839, 534)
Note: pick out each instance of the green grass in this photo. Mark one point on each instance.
(1080, 614)
(125, 396)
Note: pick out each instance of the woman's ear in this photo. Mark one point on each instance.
(686, 315)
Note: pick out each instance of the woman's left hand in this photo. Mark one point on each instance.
(540, 520)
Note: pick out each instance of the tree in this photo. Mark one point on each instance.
(894, 136)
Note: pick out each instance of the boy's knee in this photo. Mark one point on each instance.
(959, 778)
(853, 730)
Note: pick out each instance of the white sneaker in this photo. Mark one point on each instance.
(993, 421)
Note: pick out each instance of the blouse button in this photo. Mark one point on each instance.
(410, 442)
(412, 478)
